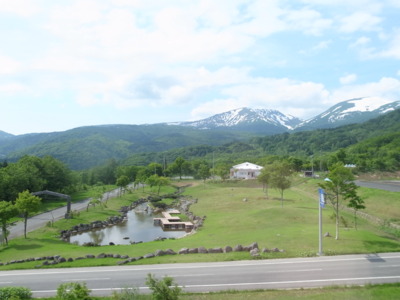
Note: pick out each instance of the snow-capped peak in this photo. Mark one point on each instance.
(246, 117)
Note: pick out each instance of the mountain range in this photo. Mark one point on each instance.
(88, 146)
(268, 121)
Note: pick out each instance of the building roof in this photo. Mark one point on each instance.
(247, 166)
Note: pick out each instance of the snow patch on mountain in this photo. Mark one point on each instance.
(367, 104)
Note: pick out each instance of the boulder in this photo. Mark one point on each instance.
(159, 253)
(228, 249)
(61, 260)
(215, 250)
(255, 252)
(254, 246)
(170, 252)
(148, 255)
(183, 251)
(238, 248)
(193, 250)
(202, 250)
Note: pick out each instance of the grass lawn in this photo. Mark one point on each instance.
(230, 220)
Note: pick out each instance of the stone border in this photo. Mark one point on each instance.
(253, 250)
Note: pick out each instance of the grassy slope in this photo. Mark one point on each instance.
(229, 221)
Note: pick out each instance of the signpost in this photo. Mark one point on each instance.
(321, 206)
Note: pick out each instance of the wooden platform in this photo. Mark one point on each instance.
(169, 222)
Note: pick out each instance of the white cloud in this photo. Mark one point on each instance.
(308, 21)
(386, 87)
(360, 21)
(23, 8)
(9, 65)
(12, 88)
(284, 95)
(347, 79)
(362, 41)
(322, 45)
(393, 50)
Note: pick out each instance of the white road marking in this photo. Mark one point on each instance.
(172, 267)
(85, 279)
(249, 283)
(291, 282)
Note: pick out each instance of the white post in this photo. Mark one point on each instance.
(321, 204)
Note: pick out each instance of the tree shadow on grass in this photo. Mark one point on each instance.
(382, 245)
(284, 199)
(36, 244)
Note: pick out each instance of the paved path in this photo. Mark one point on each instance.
(388, 185)
(291, 273)
(42, 219)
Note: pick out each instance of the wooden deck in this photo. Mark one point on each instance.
(169, 222)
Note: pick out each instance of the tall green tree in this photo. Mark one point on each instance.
(203, 172)
(281, 176)
(7, 212)
(339, 186)
(27, 204)
(222, 170)
(355, 201)
(265, 178)
(56, 174)
(179, 167)
(122, 182)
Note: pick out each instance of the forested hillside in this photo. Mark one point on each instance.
(373, 145)
(86, 147)
(328, 140)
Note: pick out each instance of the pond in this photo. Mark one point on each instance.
(139, 227)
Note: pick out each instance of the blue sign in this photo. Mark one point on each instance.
(321, 197)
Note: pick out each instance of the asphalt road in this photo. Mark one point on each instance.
(391, 186)
(204, 277)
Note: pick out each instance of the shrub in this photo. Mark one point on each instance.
(127, 294)
(164, 289)
(15, 292)
(73, 291)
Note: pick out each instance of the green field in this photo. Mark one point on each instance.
(230, 220)
(237, 213)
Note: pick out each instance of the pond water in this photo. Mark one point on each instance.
(139, 227)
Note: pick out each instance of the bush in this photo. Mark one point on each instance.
(15, 292)
(163, 289)
(73, 291)
(127, 294)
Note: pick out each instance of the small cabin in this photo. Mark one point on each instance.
(245, 171)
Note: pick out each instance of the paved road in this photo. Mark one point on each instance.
(217, 276)
(41, 220)
(391, 186)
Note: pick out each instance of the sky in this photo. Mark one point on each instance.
(66, 64)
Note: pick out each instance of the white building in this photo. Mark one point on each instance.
(245, 171)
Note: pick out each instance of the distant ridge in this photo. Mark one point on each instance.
(351, 111)
(89, 146)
